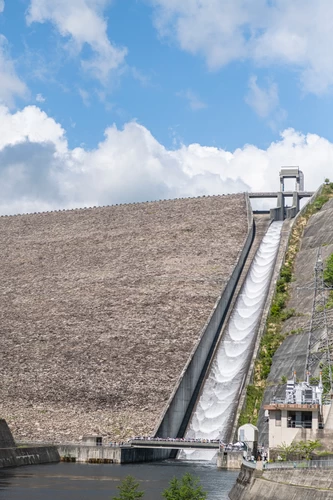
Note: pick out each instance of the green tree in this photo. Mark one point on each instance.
(327, 181)
(286, 450)
(306, 448)
(187, 488)
(128, 489)
(328, 271)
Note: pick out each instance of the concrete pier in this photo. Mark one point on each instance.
(230, 460)
(110, 454)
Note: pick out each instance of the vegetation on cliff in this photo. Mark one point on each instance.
(279, 313)
(328, 278)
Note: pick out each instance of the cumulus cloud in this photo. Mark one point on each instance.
(297, 33)
(31, 125)
(2, 5)
(40, 172)
(10, 84)
(82, 22)
(194, 102)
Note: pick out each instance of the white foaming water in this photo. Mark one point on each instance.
(215, 411)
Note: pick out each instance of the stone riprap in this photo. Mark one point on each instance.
(100, 309)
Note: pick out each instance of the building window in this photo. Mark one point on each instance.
(299, 419)
(278, 418)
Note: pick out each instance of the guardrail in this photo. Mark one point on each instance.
(299, 464)
(173, 444)
(299, 425)
(251, 465)
(21, 444)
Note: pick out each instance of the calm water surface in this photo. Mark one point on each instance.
(67, 481)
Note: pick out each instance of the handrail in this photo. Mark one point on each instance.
(300, 464)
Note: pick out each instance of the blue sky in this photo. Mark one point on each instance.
(140, 99)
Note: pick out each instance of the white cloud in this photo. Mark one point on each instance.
(262, 101)
(297, 33)
(193, 100)
(265, 102)
(85, 97)
(2, 5)
(39, 172)
(10, 84)
(31, 125)
(40, 98)
(83, 23)
(141, 77)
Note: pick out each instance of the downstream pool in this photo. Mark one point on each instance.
(66, 481)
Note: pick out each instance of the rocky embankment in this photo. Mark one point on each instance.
(100, 309)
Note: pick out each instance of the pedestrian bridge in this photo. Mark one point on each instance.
(173, 444)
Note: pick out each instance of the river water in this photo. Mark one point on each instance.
(66, 481)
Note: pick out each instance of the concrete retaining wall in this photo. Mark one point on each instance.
(280, 484)
(15, 457)
(179, 408)
(11, 456)
(108, 454)
(90, 453)
(229, 460)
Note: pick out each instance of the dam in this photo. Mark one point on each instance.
(103, 308)
(133, 320)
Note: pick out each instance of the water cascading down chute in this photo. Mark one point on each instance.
(214, 414)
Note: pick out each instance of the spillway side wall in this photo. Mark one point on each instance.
(176, 411)
(6, 438)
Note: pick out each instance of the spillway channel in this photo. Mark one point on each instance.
(215, 411)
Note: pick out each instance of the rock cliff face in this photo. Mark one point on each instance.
(291, 355)
(100, 309)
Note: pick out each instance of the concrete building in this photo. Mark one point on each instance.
(248, 434)
(299, 416)
(92, 440)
